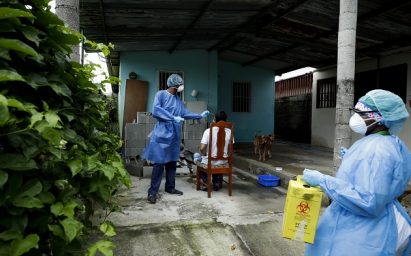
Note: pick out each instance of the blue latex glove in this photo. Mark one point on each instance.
(178, 119)
(343, 150)
(205, 113)
(197, 157)
(312, 177)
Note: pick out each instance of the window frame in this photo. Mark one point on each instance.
(326, 93)
(241, 96)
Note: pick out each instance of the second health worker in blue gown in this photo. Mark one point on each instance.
(164, 147)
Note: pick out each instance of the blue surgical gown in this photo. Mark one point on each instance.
(165, 139)
(360, 220)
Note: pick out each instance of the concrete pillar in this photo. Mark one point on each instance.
(68, 11)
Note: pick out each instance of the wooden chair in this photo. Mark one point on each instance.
(224, 169)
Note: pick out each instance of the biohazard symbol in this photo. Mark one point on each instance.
(303, 207)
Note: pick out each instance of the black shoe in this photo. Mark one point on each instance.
(216, 187)
(152, 199)
(175, 192)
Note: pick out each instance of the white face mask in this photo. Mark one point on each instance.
(358, 125)
(180, 88)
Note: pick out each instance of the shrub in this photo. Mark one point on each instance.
(57, 157)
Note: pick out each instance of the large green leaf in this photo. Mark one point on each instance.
(60, 89)
(57, 209)
(36, 80)
(67, 209)
(10, 235)
(61, 184)
(52, 118)
(18, 46)
(26, 196)
(104, 246)
(107, 228)
(32, 34)
(31, 188)
(27, 202)
(21, 246)
(16, 162)
(93, 162)
(71, 228)
(4, 54)
(75, 166)
(3, 178)
(48, 19)
(16, 104)
(46, 197)
(4, 110)
(7, 13)
(57, 152)
(108, 171)
(8, 75)
(49, 133)
(57, 231)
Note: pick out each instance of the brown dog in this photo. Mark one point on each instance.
(262, 145)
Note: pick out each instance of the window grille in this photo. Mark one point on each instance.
(300, 85)
(162, 80)
(327, 93)
(393, 78)
(241, 96)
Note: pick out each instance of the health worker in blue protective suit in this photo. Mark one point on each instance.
(164, 147)
(365, 217)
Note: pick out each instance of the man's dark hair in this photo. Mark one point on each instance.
(220, 116)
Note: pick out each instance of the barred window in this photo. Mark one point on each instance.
(327, 93)
(241, 96)
(162, 80)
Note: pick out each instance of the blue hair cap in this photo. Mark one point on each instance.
(174, 80)
(390, 106)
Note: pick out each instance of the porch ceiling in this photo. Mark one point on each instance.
(281, 35)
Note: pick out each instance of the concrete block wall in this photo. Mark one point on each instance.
(136, 134)
(193, 132)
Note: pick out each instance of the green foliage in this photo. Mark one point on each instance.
(58, 157)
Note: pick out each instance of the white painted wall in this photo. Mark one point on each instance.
(323, 120)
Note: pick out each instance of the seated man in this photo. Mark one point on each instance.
(203, 158)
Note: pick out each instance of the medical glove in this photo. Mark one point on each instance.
(205, 113)
(312, 177)
(343, 151)
(197, 157)
(178, 119)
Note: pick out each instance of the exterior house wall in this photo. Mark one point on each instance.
(199, 67)
(261, 115)
(323, 120)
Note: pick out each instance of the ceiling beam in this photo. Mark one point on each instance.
(269, 22)
(264, 10)
(381, 10)
(189, 6)
(370, 52)
(192, 24)
(377, 50)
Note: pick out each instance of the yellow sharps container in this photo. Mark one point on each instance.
(301, 211)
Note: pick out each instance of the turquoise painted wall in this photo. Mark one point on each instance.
(261, 116)
(199, 67)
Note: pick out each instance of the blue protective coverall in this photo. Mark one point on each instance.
(165, 139)
(360, 221)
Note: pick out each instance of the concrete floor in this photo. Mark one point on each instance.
(248, 223)
(291, 157)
